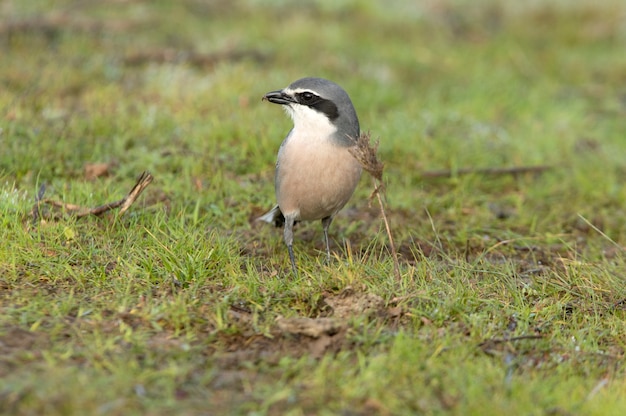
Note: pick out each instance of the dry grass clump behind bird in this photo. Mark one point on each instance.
(366, 154)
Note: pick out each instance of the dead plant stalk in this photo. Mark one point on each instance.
(366, 154)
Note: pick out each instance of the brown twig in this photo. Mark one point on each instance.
(488, 346)
(516, 170)
(511, 339)
(365, 153)
(76, 210)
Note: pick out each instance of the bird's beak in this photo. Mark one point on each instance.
(278, 97)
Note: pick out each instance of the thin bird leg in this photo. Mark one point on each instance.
(288, 236)
(325, 224)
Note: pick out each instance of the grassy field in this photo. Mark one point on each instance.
(512, 294)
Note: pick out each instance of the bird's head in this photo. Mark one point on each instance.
(316, 103)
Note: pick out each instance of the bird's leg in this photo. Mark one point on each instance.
(288, 236)
(325, 224)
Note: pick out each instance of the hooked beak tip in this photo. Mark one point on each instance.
(278, 97)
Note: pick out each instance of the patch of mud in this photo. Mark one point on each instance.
(301, 335)
(349, 303)
(18, 345)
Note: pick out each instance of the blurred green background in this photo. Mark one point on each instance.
(173, 307)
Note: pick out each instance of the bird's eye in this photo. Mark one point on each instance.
(307, 96)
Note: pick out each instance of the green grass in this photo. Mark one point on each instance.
(512, 294)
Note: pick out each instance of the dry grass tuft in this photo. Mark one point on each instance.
(366, 154)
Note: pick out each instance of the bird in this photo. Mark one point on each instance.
(316, 173)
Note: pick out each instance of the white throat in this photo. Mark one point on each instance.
(309, 123)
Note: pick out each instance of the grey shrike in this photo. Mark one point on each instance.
(315, 172)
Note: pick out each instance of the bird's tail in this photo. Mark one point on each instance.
(273, 216)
